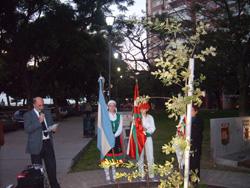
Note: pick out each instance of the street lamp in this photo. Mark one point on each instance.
(116, 55)
(109, 21)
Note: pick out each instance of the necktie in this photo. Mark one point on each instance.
(45, 133)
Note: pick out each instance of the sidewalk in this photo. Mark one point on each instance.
(213, 178)
(68, 142)
(225, 178)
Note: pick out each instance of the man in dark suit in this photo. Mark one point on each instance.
(196, 142)
(40, 143)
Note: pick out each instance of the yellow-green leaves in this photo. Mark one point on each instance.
(173, 66)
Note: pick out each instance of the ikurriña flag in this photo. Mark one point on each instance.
(137, 136)
(105, 136)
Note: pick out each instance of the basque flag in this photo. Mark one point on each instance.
(137, 137)
(105, 136)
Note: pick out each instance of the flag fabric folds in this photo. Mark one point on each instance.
(180, 135)
(105, 136)
(137, 136)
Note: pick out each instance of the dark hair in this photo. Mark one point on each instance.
(195, 107)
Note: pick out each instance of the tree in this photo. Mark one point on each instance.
(65, 46)
(173, 68)
(231, 20)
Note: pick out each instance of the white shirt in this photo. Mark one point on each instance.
(113, 117)
(37, 113)
(148, 123)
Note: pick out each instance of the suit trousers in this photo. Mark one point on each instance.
(48, 155)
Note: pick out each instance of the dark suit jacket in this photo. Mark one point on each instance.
(196, 143)
(33, 128)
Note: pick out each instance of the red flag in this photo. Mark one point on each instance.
(137, 136)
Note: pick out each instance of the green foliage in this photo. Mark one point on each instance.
(173, 65)
(66, 44)
(89, 159)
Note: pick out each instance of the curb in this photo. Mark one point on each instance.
(80, 153)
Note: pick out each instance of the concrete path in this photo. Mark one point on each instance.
(225, 178)
(213, 178)
(68, 142)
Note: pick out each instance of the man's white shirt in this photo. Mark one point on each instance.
(37, 113)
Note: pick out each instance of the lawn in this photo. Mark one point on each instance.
(165, 129)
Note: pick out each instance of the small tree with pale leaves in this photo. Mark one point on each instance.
(172, 69)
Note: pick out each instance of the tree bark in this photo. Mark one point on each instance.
(243, 90)
(8, 99)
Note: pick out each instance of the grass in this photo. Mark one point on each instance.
(165, 129)
(89, 159)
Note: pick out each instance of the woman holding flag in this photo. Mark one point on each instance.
(149, 128)
(115, 153)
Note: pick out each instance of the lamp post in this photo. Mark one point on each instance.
(109, 21)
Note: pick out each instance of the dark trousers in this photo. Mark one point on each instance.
(195, 164)
(48, 155)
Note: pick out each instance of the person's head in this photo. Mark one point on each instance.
(144, 108)
(112, 106)
(195, 110)
(38, 103)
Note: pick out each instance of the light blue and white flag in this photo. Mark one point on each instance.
(105, 136)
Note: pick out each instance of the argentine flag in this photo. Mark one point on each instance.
(105, 136)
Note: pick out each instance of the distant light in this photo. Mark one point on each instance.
(110, 20)
(118, 69)
(4, 52)
(31, 62)
(203, 93)
(121, 76)
(116, 55)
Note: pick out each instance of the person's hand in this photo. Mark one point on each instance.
(41, 117)
(55, 129)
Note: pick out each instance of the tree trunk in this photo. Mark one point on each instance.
(218, 95)
(8, 99)
(242, 99)
(77, 105)
(243, 86)
(56, 103)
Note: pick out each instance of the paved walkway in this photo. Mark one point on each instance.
(69, 142)
(225, 178)
(213, 178)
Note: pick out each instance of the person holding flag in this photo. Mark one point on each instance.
(149, 128)
(116, 153)
(137, 137)
(105, 136)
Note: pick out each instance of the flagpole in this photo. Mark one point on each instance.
(144, 166)
(189, 122)
(117, 182)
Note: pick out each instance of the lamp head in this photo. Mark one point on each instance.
(110, 20)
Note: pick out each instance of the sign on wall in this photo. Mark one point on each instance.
(229, 136)
(225, 133)
(246, 129)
